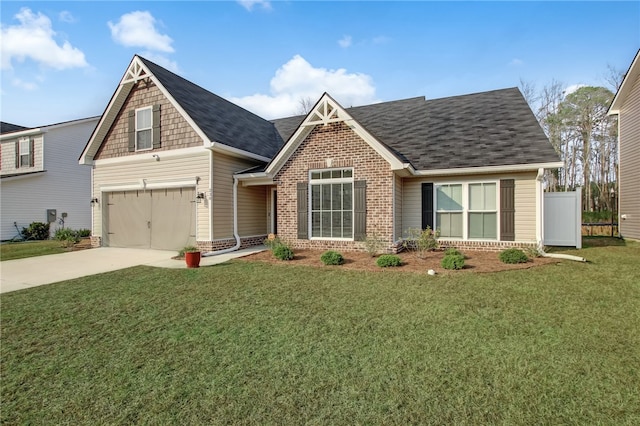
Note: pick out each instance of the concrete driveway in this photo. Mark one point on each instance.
(34, 271)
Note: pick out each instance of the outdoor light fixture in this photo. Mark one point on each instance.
(156, 156)
(94, 201)
(200, 197)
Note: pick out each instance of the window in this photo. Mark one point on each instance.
(483, 214)
(332, 203)
(449, 210)
(25, 152)
(144, 129)
(467, 211)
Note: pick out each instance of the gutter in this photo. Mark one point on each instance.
(235, 224)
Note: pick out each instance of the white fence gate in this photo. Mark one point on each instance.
(562, 220)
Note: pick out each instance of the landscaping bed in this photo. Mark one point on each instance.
(475, 261)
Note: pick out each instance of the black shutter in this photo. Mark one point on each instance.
(507, 210)
(32, 153)
(360, 210)
(303, 217)
(17, 154)
(427, 205)
(156, 126)
(131, 131)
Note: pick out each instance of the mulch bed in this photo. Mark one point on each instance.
(475, 261)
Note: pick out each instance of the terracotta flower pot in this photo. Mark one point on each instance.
(192, 258)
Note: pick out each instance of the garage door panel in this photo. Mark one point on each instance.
(127, 223)
(173, 218)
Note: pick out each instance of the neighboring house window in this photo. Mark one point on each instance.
(144, 129)
(467, 210)
(449, 210)
(331, 204)
(483, 213)
(24, 153)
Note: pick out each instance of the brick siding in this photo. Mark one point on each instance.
(330, 146)
(175, 132)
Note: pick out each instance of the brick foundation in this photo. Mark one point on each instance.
(245, 242)
(96, 241)
(485, 245)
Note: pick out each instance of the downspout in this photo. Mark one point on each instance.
(235, 224)
(540, 224)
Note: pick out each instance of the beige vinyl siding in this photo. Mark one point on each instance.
(224, 166)
(397, 214)
(9, 156)
(169, 169)
(629, 187)
(525, 204)
(525, 200)
(252, 210)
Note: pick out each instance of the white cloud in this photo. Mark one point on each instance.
(345, 41)
(249, 4)
(161, 60)
(25, 85)
(138, 29)
(516, 62)
(66, 16)
(297, 80)
(34, 39)
(570, 89)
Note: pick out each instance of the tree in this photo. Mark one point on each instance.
(586, 131)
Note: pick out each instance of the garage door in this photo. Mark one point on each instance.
(162, 219)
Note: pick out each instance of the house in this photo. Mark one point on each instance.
(40, 178)
(174, 164)
(626, 105)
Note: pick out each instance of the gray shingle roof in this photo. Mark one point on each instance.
(493, 128)
(10, 128)
(221, 120)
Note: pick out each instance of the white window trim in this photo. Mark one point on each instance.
(325, 181)
(22, 142)
(146, 128)
(496, 211)
(465, 208)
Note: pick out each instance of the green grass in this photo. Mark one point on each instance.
(19, 250)
(250, 343)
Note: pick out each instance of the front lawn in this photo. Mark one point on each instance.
(254, 343)
(20, 250)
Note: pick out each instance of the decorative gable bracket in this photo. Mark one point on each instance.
(135, 72)
(325, 111)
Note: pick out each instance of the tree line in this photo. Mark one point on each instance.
(583, 135)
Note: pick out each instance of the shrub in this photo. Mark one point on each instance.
(36, 231)
(187, 249)
(283, 252)
(451, 251)
(513, 255)
(388, 260)
(332, 258)
(373, 244)
(68, 236)
(421, 240)
(84, 233)
(453, 261)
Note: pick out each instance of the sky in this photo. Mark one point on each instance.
(63, 61)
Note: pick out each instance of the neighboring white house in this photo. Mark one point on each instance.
(40, 178)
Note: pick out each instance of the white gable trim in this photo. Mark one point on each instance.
(487, 169)
(326, 111)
